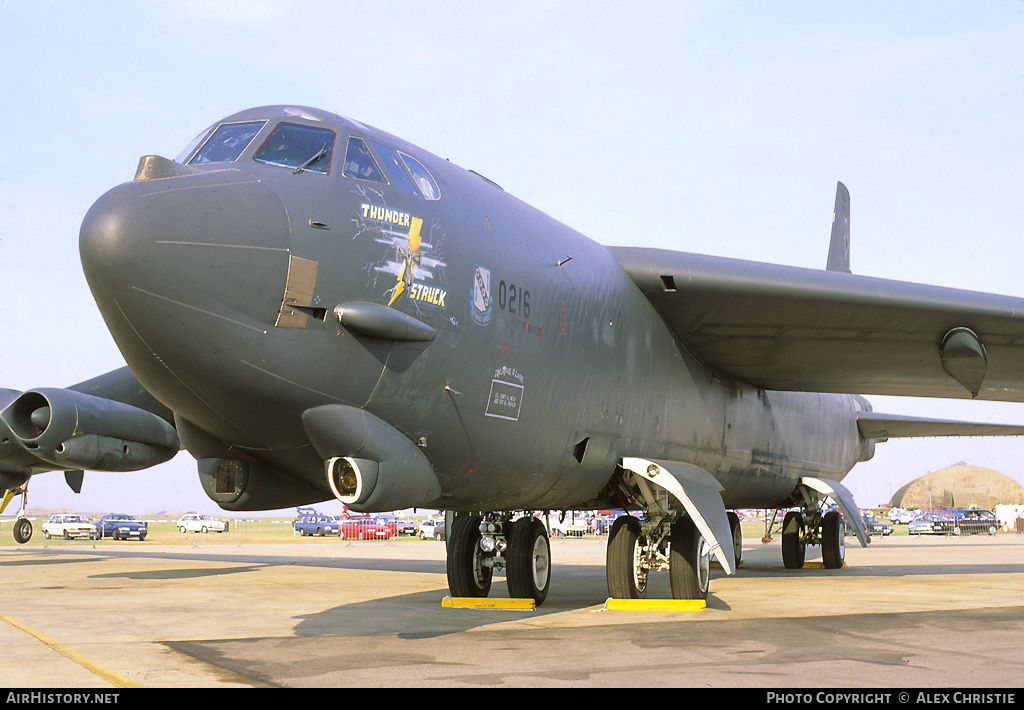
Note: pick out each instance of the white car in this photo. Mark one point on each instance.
(197, 522)
(69, 526)
(427, 527)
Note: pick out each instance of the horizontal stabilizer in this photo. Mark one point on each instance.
(880, 427)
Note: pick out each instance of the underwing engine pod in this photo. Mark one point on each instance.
(73, 430)
(370, 465)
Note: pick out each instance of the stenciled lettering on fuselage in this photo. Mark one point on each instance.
(505, 399)
(413, 260)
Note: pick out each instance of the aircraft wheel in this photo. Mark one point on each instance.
(529, 560)
(626, 578)
(468, 576)
(793, 548)
(833, 546)
(689, 566)
(22, 530)
(737, 539)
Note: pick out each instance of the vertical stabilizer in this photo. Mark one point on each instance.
(839, 247)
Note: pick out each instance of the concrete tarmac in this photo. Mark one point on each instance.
(904, 613)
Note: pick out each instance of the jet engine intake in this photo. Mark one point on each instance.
(370, 465)
(351, 480)
(73, 430)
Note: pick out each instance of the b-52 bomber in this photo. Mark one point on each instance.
(314, 308)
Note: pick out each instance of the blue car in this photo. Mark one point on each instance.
(315, 524)
(121, 527)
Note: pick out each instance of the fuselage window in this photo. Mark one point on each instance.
(424, 181)
(359, 163)
(227, 142)
(393, 167)
(302, 148)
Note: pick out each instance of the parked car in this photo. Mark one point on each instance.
(315, 524)
(930, 524)
(122, 527)
(877, 526)
(197, 522)
(68, 527)
(974, 521)
(427, 527)
(901, 516)
(391, 521)
(406, 527)
(365, 529)
(439, 530)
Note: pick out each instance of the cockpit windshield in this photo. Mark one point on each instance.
(300, 147)
(227, 142)
(423, 179)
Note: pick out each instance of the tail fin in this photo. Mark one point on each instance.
(839, 247)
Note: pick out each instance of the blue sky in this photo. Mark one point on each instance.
(712, 127)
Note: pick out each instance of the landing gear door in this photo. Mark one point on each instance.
(700, 494)
(841, 495)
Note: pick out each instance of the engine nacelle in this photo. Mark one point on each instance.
(370, 465)
(73, 430)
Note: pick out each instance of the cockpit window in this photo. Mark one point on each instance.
(421, 177)
(227, 142)
(359, 163)
(293, 145)
(393, 167)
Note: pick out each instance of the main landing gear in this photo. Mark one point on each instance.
(662, 543)
(480, 544)
(813, 526)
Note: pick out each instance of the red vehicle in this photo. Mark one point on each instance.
(365, 529)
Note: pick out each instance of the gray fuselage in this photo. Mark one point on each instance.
(219, 283)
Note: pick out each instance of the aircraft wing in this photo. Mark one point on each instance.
(790, 328)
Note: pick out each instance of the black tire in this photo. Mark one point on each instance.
(467, 575)
(625, 578)
(529, 561)
(689, 561)
(793, 548)
(737, 539)
(833, 545)
(22, 530)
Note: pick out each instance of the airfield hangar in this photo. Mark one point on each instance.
(959, 485)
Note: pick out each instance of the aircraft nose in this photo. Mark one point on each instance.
(215, 242)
